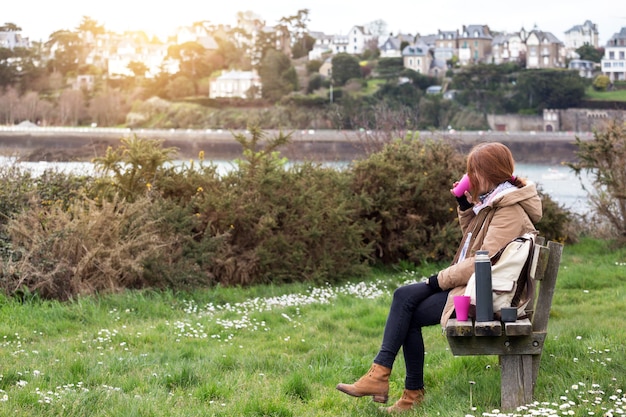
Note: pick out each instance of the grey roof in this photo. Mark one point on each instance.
(581, 28)
(448, 34)
(415, 50)
(619, 35)
(477, 31)
(391, 44)
(428, 39)
(503, 37)
(545, 35)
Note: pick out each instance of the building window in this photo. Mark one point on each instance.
(621, 54)
(611, 55)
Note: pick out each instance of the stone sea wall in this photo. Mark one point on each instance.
(69, 144)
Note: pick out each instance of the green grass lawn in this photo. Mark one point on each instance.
(592, 94)
(280, 350)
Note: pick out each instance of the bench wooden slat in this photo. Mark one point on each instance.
(501, 345)
(460, 328)
(488, 328)
(518, 328)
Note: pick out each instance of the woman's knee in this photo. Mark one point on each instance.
(401, 293)
(406, 292)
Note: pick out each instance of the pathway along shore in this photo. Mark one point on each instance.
(81, 144)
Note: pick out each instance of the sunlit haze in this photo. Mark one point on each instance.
(39, 18)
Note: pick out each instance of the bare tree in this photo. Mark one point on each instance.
(106, 109)
(377, 27)
(71, 105)
(384, 125)
(27, 108)
(8, 106)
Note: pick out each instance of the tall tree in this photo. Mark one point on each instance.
(8, 70)
(278, 76)
(191, 56)
(67, 51)
(590, 53)
(10, 27)
(89, 25)
(486, 87)
(297, 26)
(549, 89)
(344, 67)
(138, 68)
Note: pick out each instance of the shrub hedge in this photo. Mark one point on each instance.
(142, 221)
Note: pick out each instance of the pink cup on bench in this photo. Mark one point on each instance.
(461, 306)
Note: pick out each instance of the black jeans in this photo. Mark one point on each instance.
(413, 307)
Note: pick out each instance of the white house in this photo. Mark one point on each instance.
(359, 39)
(614, 61)
(240, 84)
(323, 45)
(579, 35)
(507, 47)
(12, 39)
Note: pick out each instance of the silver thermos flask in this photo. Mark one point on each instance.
(484, 296)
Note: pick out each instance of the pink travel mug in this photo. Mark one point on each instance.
(461, 306)
(462, 186)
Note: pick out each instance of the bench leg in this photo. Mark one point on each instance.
(516, 381)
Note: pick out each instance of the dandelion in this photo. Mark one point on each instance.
(199, 190)
(149, 186)
(472, 383)
(201, 155)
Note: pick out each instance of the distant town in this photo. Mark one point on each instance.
(430, 54)
(288, 75)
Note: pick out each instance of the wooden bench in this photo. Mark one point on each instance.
(518, 344)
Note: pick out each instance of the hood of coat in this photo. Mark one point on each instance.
(526, 197)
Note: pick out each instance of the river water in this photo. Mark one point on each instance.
(558, 181)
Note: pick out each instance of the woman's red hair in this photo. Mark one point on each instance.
(494, 162)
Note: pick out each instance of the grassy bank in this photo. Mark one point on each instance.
(280, 350)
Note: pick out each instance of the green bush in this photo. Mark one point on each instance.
(556, 222)
(144, 222)
(604, 158)
(404, 199)
(283, 223)
(16, 186)
(601, 82)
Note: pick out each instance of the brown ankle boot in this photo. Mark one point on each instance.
(375, 383)
(410, 398)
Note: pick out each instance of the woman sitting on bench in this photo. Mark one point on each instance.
(497, 208)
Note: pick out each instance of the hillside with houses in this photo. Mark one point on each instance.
(264, 65)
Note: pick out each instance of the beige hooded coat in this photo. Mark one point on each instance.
(502, 220)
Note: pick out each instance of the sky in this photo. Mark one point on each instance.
(39, 18)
